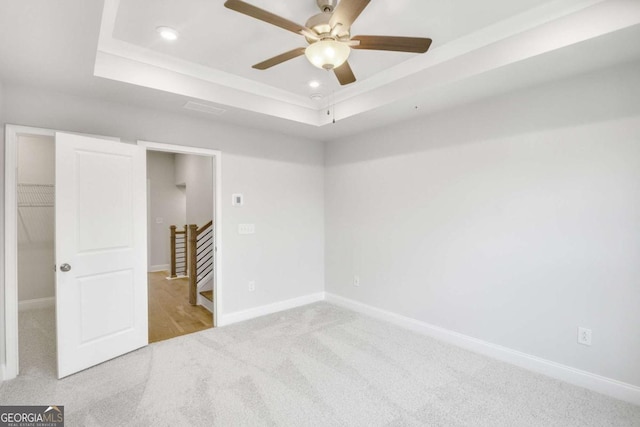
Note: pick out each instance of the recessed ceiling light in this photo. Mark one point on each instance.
(314, 84)
(167, 33)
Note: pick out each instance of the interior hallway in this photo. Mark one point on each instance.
(170, 314)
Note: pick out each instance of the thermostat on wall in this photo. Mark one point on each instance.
(236, 199)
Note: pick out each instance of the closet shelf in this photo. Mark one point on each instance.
(36, 195)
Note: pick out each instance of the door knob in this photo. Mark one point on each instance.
(65, 267)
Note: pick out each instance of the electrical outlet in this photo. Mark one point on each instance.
(356, 280)
(252, 285)
(584, 336)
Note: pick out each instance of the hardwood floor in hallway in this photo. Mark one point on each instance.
(170, 314)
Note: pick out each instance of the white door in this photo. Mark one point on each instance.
(101, 300)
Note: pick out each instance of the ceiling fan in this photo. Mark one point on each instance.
(329, 37)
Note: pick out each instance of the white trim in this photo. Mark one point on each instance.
(33, 304)
(217, 209)
(156, 268)
(239, 316)
(588, 380)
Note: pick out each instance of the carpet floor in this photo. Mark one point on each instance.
(318, 365)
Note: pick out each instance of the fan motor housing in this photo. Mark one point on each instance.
(320, 24)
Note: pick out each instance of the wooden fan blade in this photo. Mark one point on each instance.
(280, 59)
(347, 11)
(397, 44)
(271, 18)
(344, 74)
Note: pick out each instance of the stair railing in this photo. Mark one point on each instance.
(201, 257)
(178, 252)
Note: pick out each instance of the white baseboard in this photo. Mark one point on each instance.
(597, 383)
(160, 267)
(239, 316)
(32, 304)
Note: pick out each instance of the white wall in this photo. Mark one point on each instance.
(36, 160)
(196, 173)
(513, 221)
(36, 278)
(2, 314)
(36, 165)
(167, 204)
(282, 176)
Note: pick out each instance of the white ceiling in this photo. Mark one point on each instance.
(218, 38)
(480, 49)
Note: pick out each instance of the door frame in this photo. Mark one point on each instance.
(12, 132)
(216, 209)
(9, 359)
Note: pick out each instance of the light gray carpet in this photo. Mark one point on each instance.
(318, 365)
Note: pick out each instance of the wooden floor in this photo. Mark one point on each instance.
(208, 295)
(170, 314)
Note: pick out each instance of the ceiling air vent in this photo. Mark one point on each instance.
(204, 108)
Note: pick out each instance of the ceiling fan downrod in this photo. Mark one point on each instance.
(326, 6)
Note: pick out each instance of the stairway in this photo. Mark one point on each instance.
(193, 252)
(206, 300)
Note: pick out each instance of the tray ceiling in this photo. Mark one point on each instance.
(110, 50)
(211, 61)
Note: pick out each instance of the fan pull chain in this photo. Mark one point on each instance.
(333, 102)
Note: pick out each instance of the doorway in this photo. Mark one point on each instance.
(36, 232)
(181, 194)
(9, 326)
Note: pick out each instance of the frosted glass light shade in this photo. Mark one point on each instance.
(327, 54)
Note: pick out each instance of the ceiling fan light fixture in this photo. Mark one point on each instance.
(327, 54)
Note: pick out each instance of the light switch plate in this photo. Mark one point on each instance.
(246, 228)
(237, 199)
